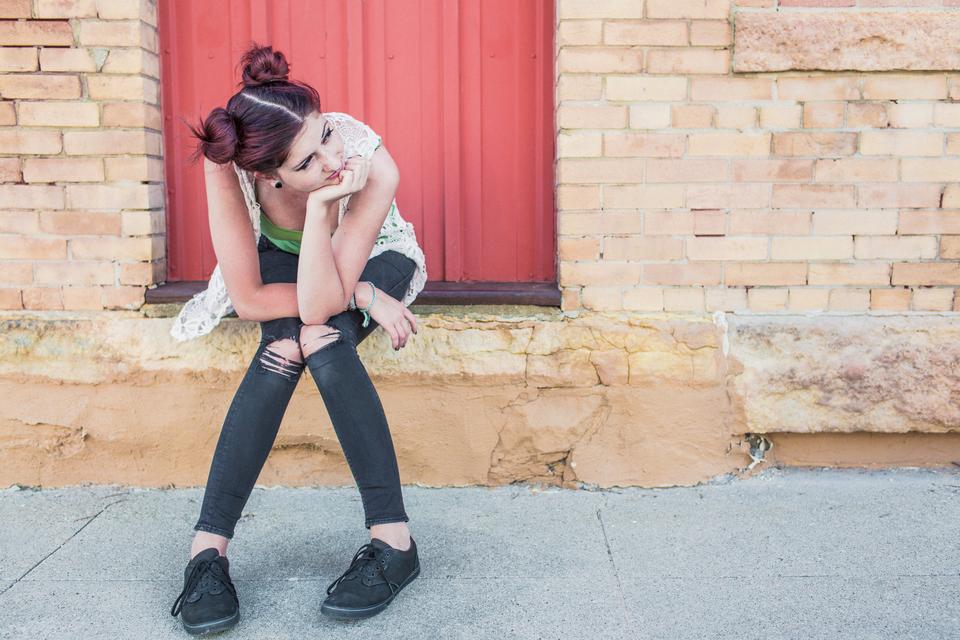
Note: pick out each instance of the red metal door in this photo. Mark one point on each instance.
(460, 91)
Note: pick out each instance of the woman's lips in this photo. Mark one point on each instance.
(335, 174)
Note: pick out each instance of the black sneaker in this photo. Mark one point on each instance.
(208, 602)
(376, 575)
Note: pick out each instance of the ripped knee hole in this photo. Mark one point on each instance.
(283, 357)
(314, 337)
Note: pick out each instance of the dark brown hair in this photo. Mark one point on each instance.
(260, 121)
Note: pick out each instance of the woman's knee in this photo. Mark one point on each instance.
(314, 337)
(283, 357)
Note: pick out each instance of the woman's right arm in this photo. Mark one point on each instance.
(233, 243)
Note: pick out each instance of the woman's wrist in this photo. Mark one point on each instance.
(363, 294)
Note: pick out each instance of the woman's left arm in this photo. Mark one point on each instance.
(367, 210)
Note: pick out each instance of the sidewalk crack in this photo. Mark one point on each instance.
(613, 564)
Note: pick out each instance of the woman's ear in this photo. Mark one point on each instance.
(270, 177)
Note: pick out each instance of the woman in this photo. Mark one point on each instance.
(321, 279)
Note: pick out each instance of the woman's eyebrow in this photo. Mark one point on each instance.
(326, 126)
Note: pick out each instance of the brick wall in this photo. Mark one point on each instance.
(81, 172)
(697, 172)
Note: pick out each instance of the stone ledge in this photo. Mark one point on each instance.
(846, 40)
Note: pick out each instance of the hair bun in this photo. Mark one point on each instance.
(262, 65)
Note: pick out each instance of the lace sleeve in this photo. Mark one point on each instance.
(358, 139)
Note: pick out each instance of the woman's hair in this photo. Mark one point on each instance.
(260, 121)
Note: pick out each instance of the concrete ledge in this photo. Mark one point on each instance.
(482, 395)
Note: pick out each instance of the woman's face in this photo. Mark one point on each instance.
(316, 153)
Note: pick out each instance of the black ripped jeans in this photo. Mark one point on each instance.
(252, 422)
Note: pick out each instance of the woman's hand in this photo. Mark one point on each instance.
(352, 179)
(394, 316)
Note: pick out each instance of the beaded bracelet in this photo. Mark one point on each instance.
(352, 305)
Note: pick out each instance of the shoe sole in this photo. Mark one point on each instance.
(339, 613)
(213, 626)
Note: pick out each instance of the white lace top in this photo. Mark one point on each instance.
(204, 310)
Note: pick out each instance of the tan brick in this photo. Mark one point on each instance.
(15, 9)
(10, 170)
(107, 142)
(580, 32)
(947, 114)
(664, 89)
(71, 59)
(113, 33)
(867, 115)
(668, 223)
(726, 248)
(736, 117)
(811, 248)
(910, 116)
(686, 170)
(642, 248)
(935, 299)
(711, 33)
(856, 170)
(107, 248)
(74, 223)
(74, 272)
(620, 222)
(930, 169)
(139, 169)
(599, 273)
(693, 9)
(18, 59)
(121, 87)
(602, 59)
(123, 297)
(771, 170)
(781, 116)
(132, 61)
(8, 115)
(662, 33)
(58, 114)
(27, 248)
(643, 299)
(818, 88)
(571, 88)
(814, 143)
(63, 170)
(20, 196)
(855, 222)
(683, 299)
(16, 273)
(579, 145)
(951, 197)
(688, 61)
(607, 9)
(42, 298)
(65, 8)
(22, 222)
(889, 86)
(764, 273)
(578, 224)
(953, 144)
(579, 248)
(805, 299)
(692, 116)
(728, 143)
(727, 196)
(145, 10)
(702, 273)
(570, 299)
(769, 223)
(599, 170)
(110, 196)
(926, 273)
(709, 223)
(897, 195)
(823, 115)
(36, 33)
(848, 299)
(901, 143)
(950, 247)
(653, 196)
(11, 299)
(43, 86)
(23, 141)
(649, 116)
(722, 89)
(834, 273)
(591, 117)
(647, 145)
(725, 299)
(812, 196)
(578, 197)
(142, 223)
(929, 222)
(767, 299)
(895, 247)
(82, 298)
(602, 298)
(890, 299)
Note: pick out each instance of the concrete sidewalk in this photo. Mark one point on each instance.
(785, 554)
